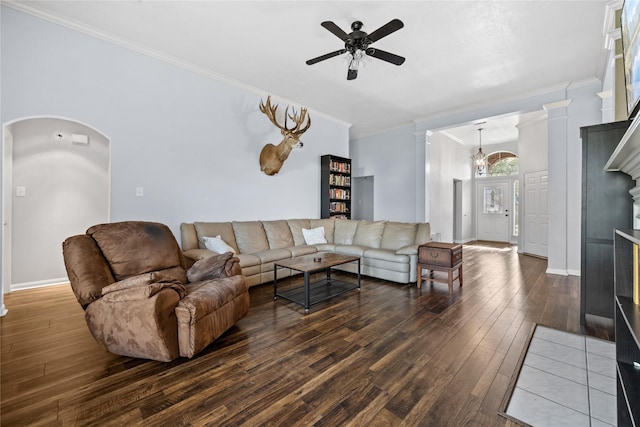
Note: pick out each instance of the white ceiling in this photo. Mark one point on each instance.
(459, 54)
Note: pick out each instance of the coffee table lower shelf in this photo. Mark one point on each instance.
(319, 291)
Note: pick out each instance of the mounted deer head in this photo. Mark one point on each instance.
(273, 156)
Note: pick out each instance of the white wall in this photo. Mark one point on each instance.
(191, 142)
(449, 160)
(532, 146)
(66, 191)
(390, 159)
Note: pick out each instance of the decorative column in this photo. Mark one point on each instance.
(423, 193)
(557, 193)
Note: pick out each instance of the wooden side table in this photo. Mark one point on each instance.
(437, 256)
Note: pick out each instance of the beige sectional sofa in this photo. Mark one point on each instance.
(388, 250)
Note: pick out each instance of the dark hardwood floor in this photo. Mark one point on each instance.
(388, 355)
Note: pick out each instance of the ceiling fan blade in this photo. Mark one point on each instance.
(385, 30)
(326, 56)
(329, 25)
(385, 56)
(352, 74)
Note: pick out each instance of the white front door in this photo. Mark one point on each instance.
(536, 214)
(493, 211)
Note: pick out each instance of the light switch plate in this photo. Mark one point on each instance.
(140, 191)
(21, 191)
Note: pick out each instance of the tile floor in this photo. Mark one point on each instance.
(566, 380)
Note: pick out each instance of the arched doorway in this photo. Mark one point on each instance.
(56, 174)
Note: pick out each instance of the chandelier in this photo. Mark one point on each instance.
(480, 159)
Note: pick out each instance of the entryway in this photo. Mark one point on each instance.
(493, 202)
(362, 197)
(56, 176)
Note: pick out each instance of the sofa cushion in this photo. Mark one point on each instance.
(423, 235)
(398, 234)
(353, 250)
(273, 255)
(384, 255)
(136, 247)
(345, 231)
(302, 250)
(329, 227)
(369, 233)
(211, 229)
(326, 247)
(278, 234)
(188, 236)
(296, 226)
(250, 237)
(248, 260)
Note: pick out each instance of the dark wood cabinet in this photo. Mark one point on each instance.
(606, 206)
(335, 187)
(627, 327)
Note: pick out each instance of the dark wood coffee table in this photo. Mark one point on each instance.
(322, 290)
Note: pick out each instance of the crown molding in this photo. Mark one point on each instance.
(558, 104)
(605, 94)
(448, 135)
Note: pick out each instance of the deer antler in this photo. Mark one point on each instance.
(298, 119)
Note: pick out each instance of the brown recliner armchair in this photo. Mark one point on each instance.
(139, 298)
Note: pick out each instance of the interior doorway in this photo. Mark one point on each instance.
(536, 213)
(457, 211)
(362, 197)
(56, 175)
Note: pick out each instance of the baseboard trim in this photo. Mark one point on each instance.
(38, 284)
(574, 273)
(3, 310)
(463, 241)
(558, 272)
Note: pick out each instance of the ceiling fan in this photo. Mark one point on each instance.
(357, 44)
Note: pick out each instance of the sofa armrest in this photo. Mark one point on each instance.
(131, 323)
(408, 250)
(214, 267)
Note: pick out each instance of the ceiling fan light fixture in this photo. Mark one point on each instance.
(357, 58)
(356, 45)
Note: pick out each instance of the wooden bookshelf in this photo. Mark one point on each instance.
(335, 187)
(627, 326)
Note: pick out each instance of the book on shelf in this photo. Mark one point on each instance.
(339, 166)
(341, 180)
(338, 193)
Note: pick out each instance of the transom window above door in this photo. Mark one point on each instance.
(502, 163)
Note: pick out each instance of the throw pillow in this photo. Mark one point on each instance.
(217, 245)
(314, 236)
